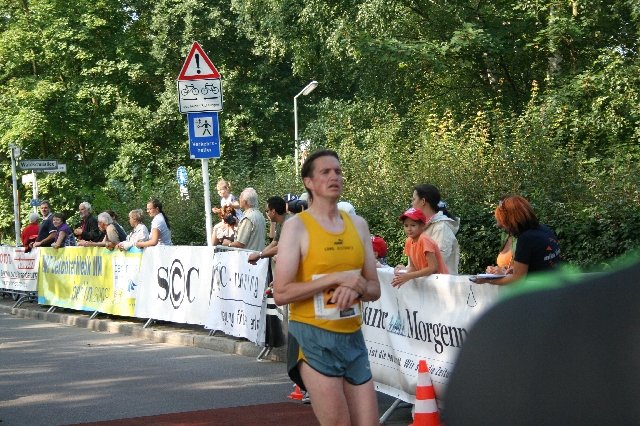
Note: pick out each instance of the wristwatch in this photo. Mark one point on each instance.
(260, 255)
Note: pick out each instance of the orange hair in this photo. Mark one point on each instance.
(515, 215)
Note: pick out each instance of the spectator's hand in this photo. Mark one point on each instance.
(110, 245)
(253, 258)
(37, 244)
(55, 245)
(83, 243)
(496, 270)
(399, 279)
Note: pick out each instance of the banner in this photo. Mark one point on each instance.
(18, 270)
(175, 284)
(426, 318)
(237, 295)
(84, 278)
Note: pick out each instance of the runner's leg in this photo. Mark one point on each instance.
(327, 397)
(363, 403)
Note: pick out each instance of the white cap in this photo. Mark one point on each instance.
(346, 206)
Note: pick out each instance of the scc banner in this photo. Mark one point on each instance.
(175, 284)
(426, 318)
(88, 279)
(18, 270)
(196, 285)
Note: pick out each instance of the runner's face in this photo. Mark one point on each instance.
(327, 177)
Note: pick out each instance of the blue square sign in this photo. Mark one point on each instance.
(204, 135)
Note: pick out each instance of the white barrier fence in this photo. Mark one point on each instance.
(18, 270)
(428, 318)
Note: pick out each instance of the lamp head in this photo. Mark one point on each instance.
(309, 88)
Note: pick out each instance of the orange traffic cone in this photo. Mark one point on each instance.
(426, 409)
(296, 394)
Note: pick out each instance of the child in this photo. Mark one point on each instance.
(423, 253)
(227, 198)
(379, 250)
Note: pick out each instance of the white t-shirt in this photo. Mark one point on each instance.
(160, 224)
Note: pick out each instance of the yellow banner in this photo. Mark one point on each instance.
(88, 279)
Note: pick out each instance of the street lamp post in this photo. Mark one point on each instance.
(15, 154)
(304, 92)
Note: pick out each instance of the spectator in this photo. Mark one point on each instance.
(504, 261)
(47, 231)
(297, 206)
(227, 198)
(88, 229)
(277, 214)
(30, 232)
(252, 227)
(122, 234)
(111, 238)
(160, 228)
(379, 246)
(325, 268)
(226, 228)
(423, 253)
(139, 230)
(537, 248)
(64, 235)
(441, 225)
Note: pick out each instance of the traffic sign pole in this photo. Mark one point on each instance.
(207, 199)
(200, 91)
(16, 208)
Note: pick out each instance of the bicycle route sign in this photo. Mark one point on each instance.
(199, 83)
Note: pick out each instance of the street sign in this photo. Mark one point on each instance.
(181, 175)
(199, 83)
(62, 168)
(200, 95)
(38, 164)
(204, 135)
(198, 66)
(34, 202)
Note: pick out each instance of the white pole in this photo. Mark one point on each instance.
(16, 207)
(207, 199)
(35, 189)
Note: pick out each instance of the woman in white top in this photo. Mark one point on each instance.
(442, 226)
(139, 232)
(160, 228)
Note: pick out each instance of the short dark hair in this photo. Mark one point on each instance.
(308, 167)
(277, 203)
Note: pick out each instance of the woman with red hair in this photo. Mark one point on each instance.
(537, 248)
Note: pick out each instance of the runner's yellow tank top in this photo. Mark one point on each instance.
(328, 252)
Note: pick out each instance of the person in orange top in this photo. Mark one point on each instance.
(424, 255)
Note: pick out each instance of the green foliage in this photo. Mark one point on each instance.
(481, 99)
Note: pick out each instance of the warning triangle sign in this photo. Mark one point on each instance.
(198, 66)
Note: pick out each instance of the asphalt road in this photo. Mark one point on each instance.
(57, 374)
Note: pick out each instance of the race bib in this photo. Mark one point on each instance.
(325, 309)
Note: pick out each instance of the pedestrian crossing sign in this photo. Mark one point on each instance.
(204, 135)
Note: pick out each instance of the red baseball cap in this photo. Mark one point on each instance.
(414, 214)
(379, 245)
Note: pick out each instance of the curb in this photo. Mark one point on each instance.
(225, 344)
